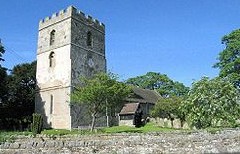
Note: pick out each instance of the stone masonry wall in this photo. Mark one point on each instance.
(227, 141)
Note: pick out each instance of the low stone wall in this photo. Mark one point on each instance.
(134, 143)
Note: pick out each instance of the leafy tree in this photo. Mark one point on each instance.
(212, 103)
(3, 77)
(161, 82)
(100, 91)
(21, 84)
(2, 51)
(168, 108)
(17, 109)
(229, 58)
(3, 85)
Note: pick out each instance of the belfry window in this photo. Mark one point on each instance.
(89, 39)
(52, 59)
(52, 37)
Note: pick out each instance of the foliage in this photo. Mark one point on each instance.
(18, 98)
(10, 136)
(37, 124)
(3, 77)
(161, 82)
(212, 103)
(3, 85)
(168, 108)
(138, 119)
(22, 82)
(229, 58)
(99, 92)
(2, 51)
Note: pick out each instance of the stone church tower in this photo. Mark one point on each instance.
(70, 45)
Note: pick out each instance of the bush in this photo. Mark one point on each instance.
(168, 108)
(37, 124)
(212, 103)
(138, 119)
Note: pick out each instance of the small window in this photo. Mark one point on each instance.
(52, 37)
(52, 59)
(51, 104)
(89, 39)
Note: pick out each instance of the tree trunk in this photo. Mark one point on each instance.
(93, 121)
(107, 117)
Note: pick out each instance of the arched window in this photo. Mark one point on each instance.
(52, 59)
(52, 37)
(51, 104)
(89, 39)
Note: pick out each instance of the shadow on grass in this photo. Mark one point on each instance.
(128, 131)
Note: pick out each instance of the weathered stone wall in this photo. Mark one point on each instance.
(61, 62)
(227, 141)
(86, 60)
(81, 117)
(60, 116)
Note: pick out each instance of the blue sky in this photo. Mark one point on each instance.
(180, 38)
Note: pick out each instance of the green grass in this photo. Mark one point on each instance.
(53, 133)
(149, 127)
(9, 136)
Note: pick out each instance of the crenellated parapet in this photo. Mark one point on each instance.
(75, 14)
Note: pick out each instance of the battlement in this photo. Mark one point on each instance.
(71, 11)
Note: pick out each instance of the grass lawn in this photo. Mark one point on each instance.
(11, 135)
(149, 127)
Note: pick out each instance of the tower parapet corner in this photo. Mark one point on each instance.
(102, 24)
(61, 13)
(71, 11)
(82, 16)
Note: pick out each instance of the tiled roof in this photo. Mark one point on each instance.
(129, 108)
(147, 95)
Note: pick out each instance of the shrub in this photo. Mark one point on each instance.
(168, 108)
(212, 103)
(37, 124)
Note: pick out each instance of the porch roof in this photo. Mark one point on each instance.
(129, 108)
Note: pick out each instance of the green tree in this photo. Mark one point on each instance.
(3, 85)
(211, 103)
(161, 82)
(168, 108)
(3, 77)
(100, 91)
(22, 82)
(18, 108)
(229, 58)
(2, 51)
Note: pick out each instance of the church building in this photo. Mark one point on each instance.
(70, 45)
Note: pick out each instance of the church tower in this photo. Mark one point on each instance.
(70, 45)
